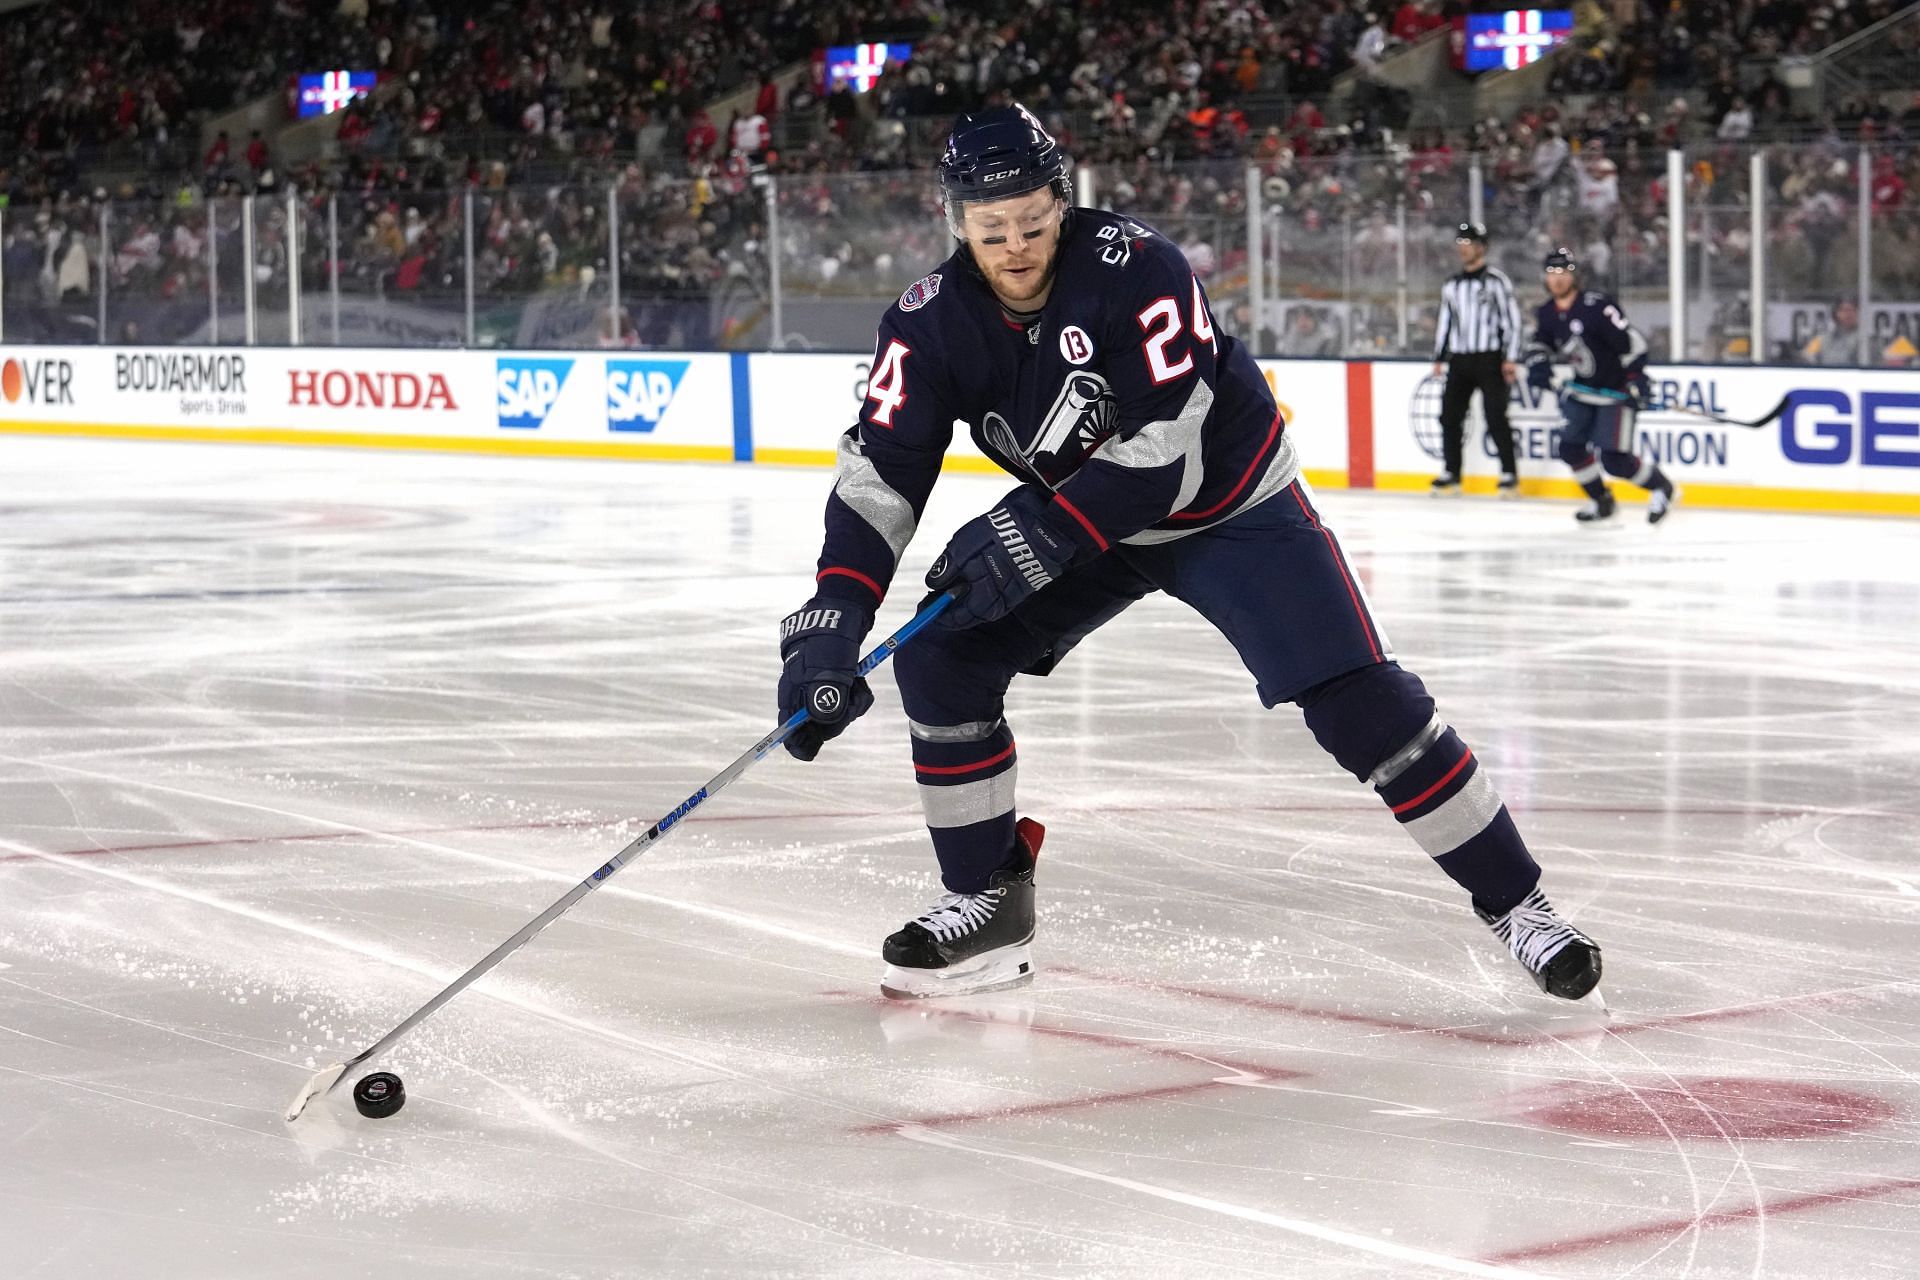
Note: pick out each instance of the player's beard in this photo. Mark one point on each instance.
(1015, 291)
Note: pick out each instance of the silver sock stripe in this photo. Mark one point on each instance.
(1402, 760)
(972, 731)
(969, 802)
(1459, 819)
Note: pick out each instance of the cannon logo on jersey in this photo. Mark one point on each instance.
(640, 391)
(526, 390)
(1081, 417)
(920, 293)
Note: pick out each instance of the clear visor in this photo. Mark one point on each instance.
(999, 221)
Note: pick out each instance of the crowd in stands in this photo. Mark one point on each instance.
(524, 116)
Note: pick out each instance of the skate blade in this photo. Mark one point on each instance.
(997, 971)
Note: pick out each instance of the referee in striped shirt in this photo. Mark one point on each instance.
(1477, 348)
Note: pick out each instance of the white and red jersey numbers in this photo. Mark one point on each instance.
(1161, 321)
(887, 386)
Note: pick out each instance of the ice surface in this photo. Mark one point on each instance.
(291, 738)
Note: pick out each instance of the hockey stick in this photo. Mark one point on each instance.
(1771, 415)
(327, 1079)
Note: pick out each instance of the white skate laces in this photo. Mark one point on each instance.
(1533, 932)
(959, 913)
(1538, 937)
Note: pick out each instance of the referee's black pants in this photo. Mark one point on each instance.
(1479, 370)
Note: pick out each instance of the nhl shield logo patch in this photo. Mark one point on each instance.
(920, 293)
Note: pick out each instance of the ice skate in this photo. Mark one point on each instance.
(1509, 486)
(970, 942)
(1599, 510)
(1563, 961)
(1660, 502)
(1445, 485)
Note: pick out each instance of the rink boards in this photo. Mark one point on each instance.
(1849, 440)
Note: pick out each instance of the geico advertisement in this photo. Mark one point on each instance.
(803, 404)
(1844, 430)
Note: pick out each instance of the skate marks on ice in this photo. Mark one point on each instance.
(396, 725)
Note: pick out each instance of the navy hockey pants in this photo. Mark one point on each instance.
(1276, 584)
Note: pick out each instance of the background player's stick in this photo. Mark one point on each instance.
(1769, 416)
(326, 1080)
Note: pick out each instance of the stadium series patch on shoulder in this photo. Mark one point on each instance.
(920, 293)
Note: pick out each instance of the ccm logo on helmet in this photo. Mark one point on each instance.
(995, 177)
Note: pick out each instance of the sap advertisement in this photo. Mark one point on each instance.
(1847, 439)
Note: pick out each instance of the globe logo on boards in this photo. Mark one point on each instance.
(1423, 415)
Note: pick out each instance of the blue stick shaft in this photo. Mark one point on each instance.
(325, 1081)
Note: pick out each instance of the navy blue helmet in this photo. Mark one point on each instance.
(1560, 259)
(998, 153)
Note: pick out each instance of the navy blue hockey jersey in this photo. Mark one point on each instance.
(1124, 399)
(1591, 334)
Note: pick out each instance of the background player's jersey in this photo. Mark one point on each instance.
(1124, 399)
(1593, 336)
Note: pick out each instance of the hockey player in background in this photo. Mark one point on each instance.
(1083, 354)
(1588, 331)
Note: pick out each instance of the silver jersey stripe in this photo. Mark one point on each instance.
(970, 802)
(1282, 471)
(973, 731)
(858, 484)
(1160, 444)
(1459, 820)
(1402, 760)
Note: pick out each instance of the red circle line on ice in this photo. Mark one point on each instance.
(1714, 1107)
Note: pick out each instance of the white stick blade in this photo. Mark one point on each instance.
(322, 1081)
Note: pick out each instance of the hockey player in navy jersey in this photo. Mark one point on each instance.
(1588, 331)
(1081, 352)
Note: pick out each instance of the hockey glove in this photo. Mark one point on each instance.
(1000, 559)
(819, 649)
(1640, 390)
(1540, 374)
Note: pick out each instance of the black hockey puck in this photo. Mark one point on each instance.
(379, 1095)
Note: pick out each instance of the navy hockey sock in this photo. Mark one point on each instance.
(1636, 468)
(1438, 793)
(1379, 722)
(966, 775)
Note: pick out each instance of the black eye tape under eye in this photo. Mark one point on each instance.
(1034, 234)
